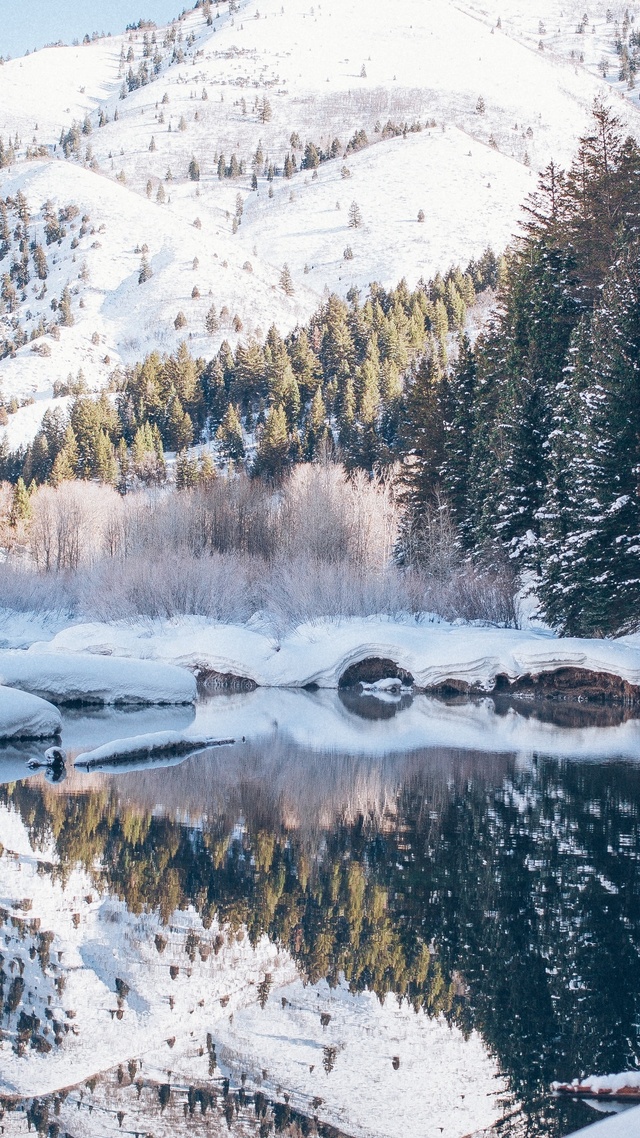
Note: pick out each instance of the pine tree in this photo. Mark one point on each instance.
(207, 470)
(265, 114)
(20, 505)
(64, 308)
(105, 466)
(355, 216)
(40, 262)
(186, 471)
(424, 449)
(286, 283)
(146, 272)
(179, 427)
(316, 429)
(459, 396)
(272, 456)
(229, 436)
(211, 322)
(67, 461)
(591, 583)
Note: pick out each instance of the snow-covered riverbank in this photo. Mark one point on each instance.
(433, 652)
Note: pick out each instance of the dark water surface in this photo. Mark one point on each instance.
(499, 889)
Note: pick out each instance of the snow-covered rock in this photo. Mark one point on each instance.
(24, 716)
(86, 678)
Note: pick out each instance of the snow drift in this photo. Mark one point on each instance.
(24, 716)
(85, 678)
(157, 745)
(436, 655)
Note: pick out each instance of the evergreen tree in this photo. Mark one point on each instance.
(459, 397)
(229, 436)
(67, 461)
(20, 505)
(286, 283)
(179, 427)
(316, 429)
(424, 448)
(64, 308)
(355, 216)
(272, 455)
(146, 272)
(590, 582)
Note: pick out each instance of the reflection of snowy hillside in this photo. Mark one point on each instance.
(103, 986)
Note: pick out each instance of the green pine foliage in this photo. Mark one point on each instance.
(541, 421)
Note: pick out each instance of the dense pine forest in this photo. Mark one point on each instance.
(526, 442)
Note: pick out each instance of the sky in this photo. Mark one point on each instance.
(30, 24)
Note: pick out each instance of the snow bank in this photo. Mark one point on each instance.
(320, 652)
(624, 1125)
(140, 747)
(603, 1084)
(95, 679)
(24, 716)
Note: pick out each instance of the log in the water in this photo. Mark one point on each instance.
(163, 744)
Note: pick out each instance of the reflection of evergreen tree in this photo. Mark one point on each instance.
(520, 893)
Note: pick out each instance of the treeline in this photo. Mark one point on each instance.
(345, 385)
(535, 442)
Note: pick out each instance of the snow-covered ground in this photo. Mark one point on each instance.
(432, 651)
(155, 662)
(94, 679)
(469, 172)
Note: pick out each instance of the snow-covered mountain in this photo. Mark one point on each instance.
(487, 98)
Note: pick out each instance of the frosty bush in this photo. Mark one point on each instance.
(321, 545)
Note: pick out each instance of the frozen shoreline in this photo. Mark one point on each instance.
(434, 653)
(156, 662)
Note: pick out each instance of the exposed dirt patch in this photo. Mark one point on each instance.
(575, 684)
(371, 670)
(210, 681)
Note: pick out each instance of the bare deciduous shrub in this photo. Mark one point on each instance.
(321, 545)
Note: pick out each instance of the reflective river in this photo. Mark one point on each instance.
(367, 917)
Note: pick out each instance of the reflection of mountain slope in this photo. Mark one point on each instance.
(119, 987)
(500, 894)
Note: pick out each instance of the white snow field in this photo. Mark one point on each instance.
(93, 679)
(172, 1001)
(468, 171)
(321, 651)
(25, 716)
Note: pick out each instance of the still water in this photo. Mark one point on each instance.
(367, 918)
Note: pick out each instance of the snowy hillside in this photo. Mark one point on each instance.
(484, 108)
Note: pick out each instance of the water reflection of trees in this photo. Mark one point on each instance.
(505, 898)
